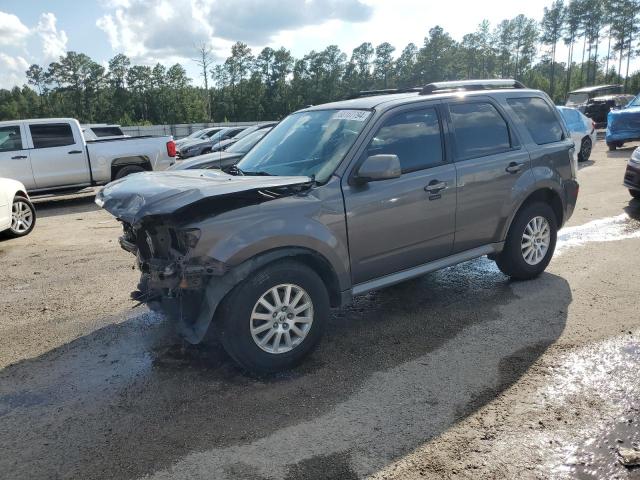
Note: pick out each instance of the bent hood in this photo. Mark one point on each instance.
(162, 193)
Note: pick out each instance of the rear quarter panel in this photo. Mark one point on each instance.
(103, 154)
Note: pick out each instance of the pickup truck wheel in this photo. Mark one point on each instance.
(23, 217)
(530, 243)
(128, 170)
(275, 318)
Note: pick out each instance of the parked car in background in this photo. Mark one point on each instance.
(202, 146)
(598, 108)
(225, 144)
(17, 214)
(101, 130)
(198, 135)
(583, 132)
(579, 98)
(51, 154)
(624, 125)
(223, 160)
(632, 174)
(345, 198)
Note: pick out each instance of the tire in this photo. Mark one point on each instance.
(236, 318)
(612, 147)
(585, 149)
(128, 170)
(635, 194)
(23, 207)
(512, 260)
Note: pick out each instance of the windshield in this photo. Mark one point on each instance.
(196, 134)
(244, 145)
(306, 143)
(577, 98)
(215, 136)
(635, 102)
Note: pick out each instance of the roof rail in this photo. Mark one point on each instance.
(386, 91)
(467, 85)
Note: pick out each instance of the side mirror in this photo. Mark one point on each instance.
(379, 167)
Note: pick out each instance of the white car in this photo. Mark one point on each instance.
(17, 215)
(583, 132)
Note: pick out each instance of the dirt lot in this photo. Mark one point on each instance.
(460, 374)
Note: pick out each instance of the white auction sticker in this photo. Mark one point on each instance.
(356, 115)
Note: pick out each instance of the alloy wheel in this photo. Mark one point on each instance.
(535, 240)
(21, 217)
(281, 318)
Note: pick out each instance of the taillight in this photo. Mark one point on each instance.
(593, 126)
(171, 148)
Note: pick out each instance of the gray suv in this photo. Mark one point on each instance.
(345, 198)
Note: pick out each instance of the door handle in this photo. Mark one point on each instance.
(435, 186)
(18, 157)
(75, 151)
(513, 167)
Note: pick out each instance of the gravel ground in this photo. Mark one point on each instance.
(459, 374)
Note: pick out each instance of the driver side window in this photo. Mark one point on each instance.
(10, 138)
(415, 137)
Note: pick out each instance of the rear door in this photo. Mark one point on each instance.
(15, 160)
(403, 222)
(58, 156)
(490, 161)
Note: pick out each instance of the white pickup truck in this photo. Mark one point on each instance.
(49, 155)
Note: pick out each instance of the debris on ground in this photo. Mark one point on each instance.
(629, 457)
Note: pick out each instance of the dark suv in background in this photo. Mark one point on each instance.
(345, 198)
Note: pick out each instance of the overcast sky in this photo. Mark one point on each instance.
(166, 31)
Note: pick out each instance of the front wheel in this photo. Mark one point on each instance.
(530, 242)
(275, 318)
(585, 149)
(23, 217)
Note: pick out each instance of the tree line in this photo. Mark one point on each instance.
(601, 38)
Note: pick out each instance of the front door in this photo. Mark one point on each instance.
(15, 161)
(404, 222)
(57, 157)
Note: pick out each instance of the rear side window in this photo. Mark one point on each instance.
(413, 136)
(107, 131)
(10, 138)
(538, 118)
(480, 130)
(47, 135)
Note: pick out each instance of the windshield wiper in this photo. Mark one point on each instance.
(258, 174)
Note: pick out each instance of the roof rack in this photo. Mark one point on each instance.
(386, 91)
(469, 85)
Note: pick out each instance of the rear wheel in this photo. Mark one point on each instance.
(275, 318)
(585, 149)
(635, 194)
(530, 243)
(128, 170)
(613, 146)
(23, 217)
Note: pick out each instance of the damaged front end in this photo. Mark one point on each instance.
(172, 281)
(158, 212)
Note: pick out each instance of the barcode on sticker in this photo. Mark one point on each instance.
(356, 115)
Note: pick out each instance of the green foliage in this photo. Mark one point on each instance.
(273, 83)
